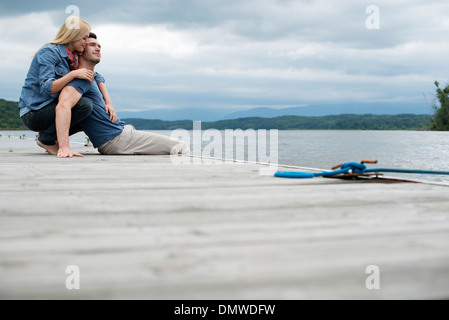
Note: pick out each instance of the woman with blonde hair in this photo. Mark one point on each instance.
(52, 68)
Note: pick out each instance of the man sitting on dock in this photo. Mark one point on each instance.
(111, 138)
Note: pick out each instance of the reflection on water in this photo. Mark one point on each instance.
(324, 149)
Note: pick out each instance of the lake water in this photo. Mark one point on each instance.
(324, 149)
(393, 149)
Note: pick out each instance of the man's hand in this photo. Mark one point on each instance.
(66, 152)
(110, 110)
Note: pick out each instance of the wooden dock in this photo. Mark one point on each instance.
(141, 227)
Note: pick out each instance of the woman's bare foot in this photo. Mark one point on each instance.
(53, 150)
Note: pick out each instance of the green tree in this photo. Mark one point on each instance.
(441, 112)
(9, 116)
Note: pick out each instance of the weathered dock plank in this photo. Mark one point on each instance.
(142, 227)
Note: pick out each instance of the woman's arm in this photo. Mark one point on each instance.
(50, 69)
(60, 83)
(108, 103)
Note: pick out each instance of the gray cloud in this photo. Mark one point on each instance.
(174, 53)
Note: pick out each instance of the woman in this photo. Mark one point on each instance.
(52, 68)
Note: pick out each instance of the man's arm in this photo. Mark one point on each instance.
(108, 103)
(68, 98)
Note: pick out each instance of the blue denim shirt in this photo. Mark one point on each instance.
(49, 64)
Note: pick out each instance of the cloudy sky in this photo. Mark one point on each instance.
(243, 54)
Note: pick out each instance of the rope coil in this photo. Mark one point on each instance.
(352, 168)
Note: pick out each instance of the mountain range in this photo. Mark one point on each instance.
(198, 114)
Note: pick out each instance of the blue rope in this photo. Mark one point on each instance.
(357, 168)
(408, 171)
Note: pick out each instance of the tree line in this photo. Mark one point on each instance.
(9, 120)
(440, 120)
(9, 116)
(339, 122)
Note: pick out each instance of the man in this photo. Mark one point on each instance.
(111, 138)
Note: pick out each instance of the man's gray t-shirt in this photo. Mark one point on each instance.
(97, 126)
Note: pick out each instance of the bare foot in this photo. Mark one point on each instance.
(53, 150)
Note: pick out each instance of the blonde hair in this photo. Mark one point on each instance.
(73, 29)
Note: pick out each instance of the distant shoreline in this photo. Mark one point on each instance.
(9, 120)
(402, 122)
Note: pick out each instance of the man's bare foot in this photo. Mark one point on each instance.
(53, 150)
